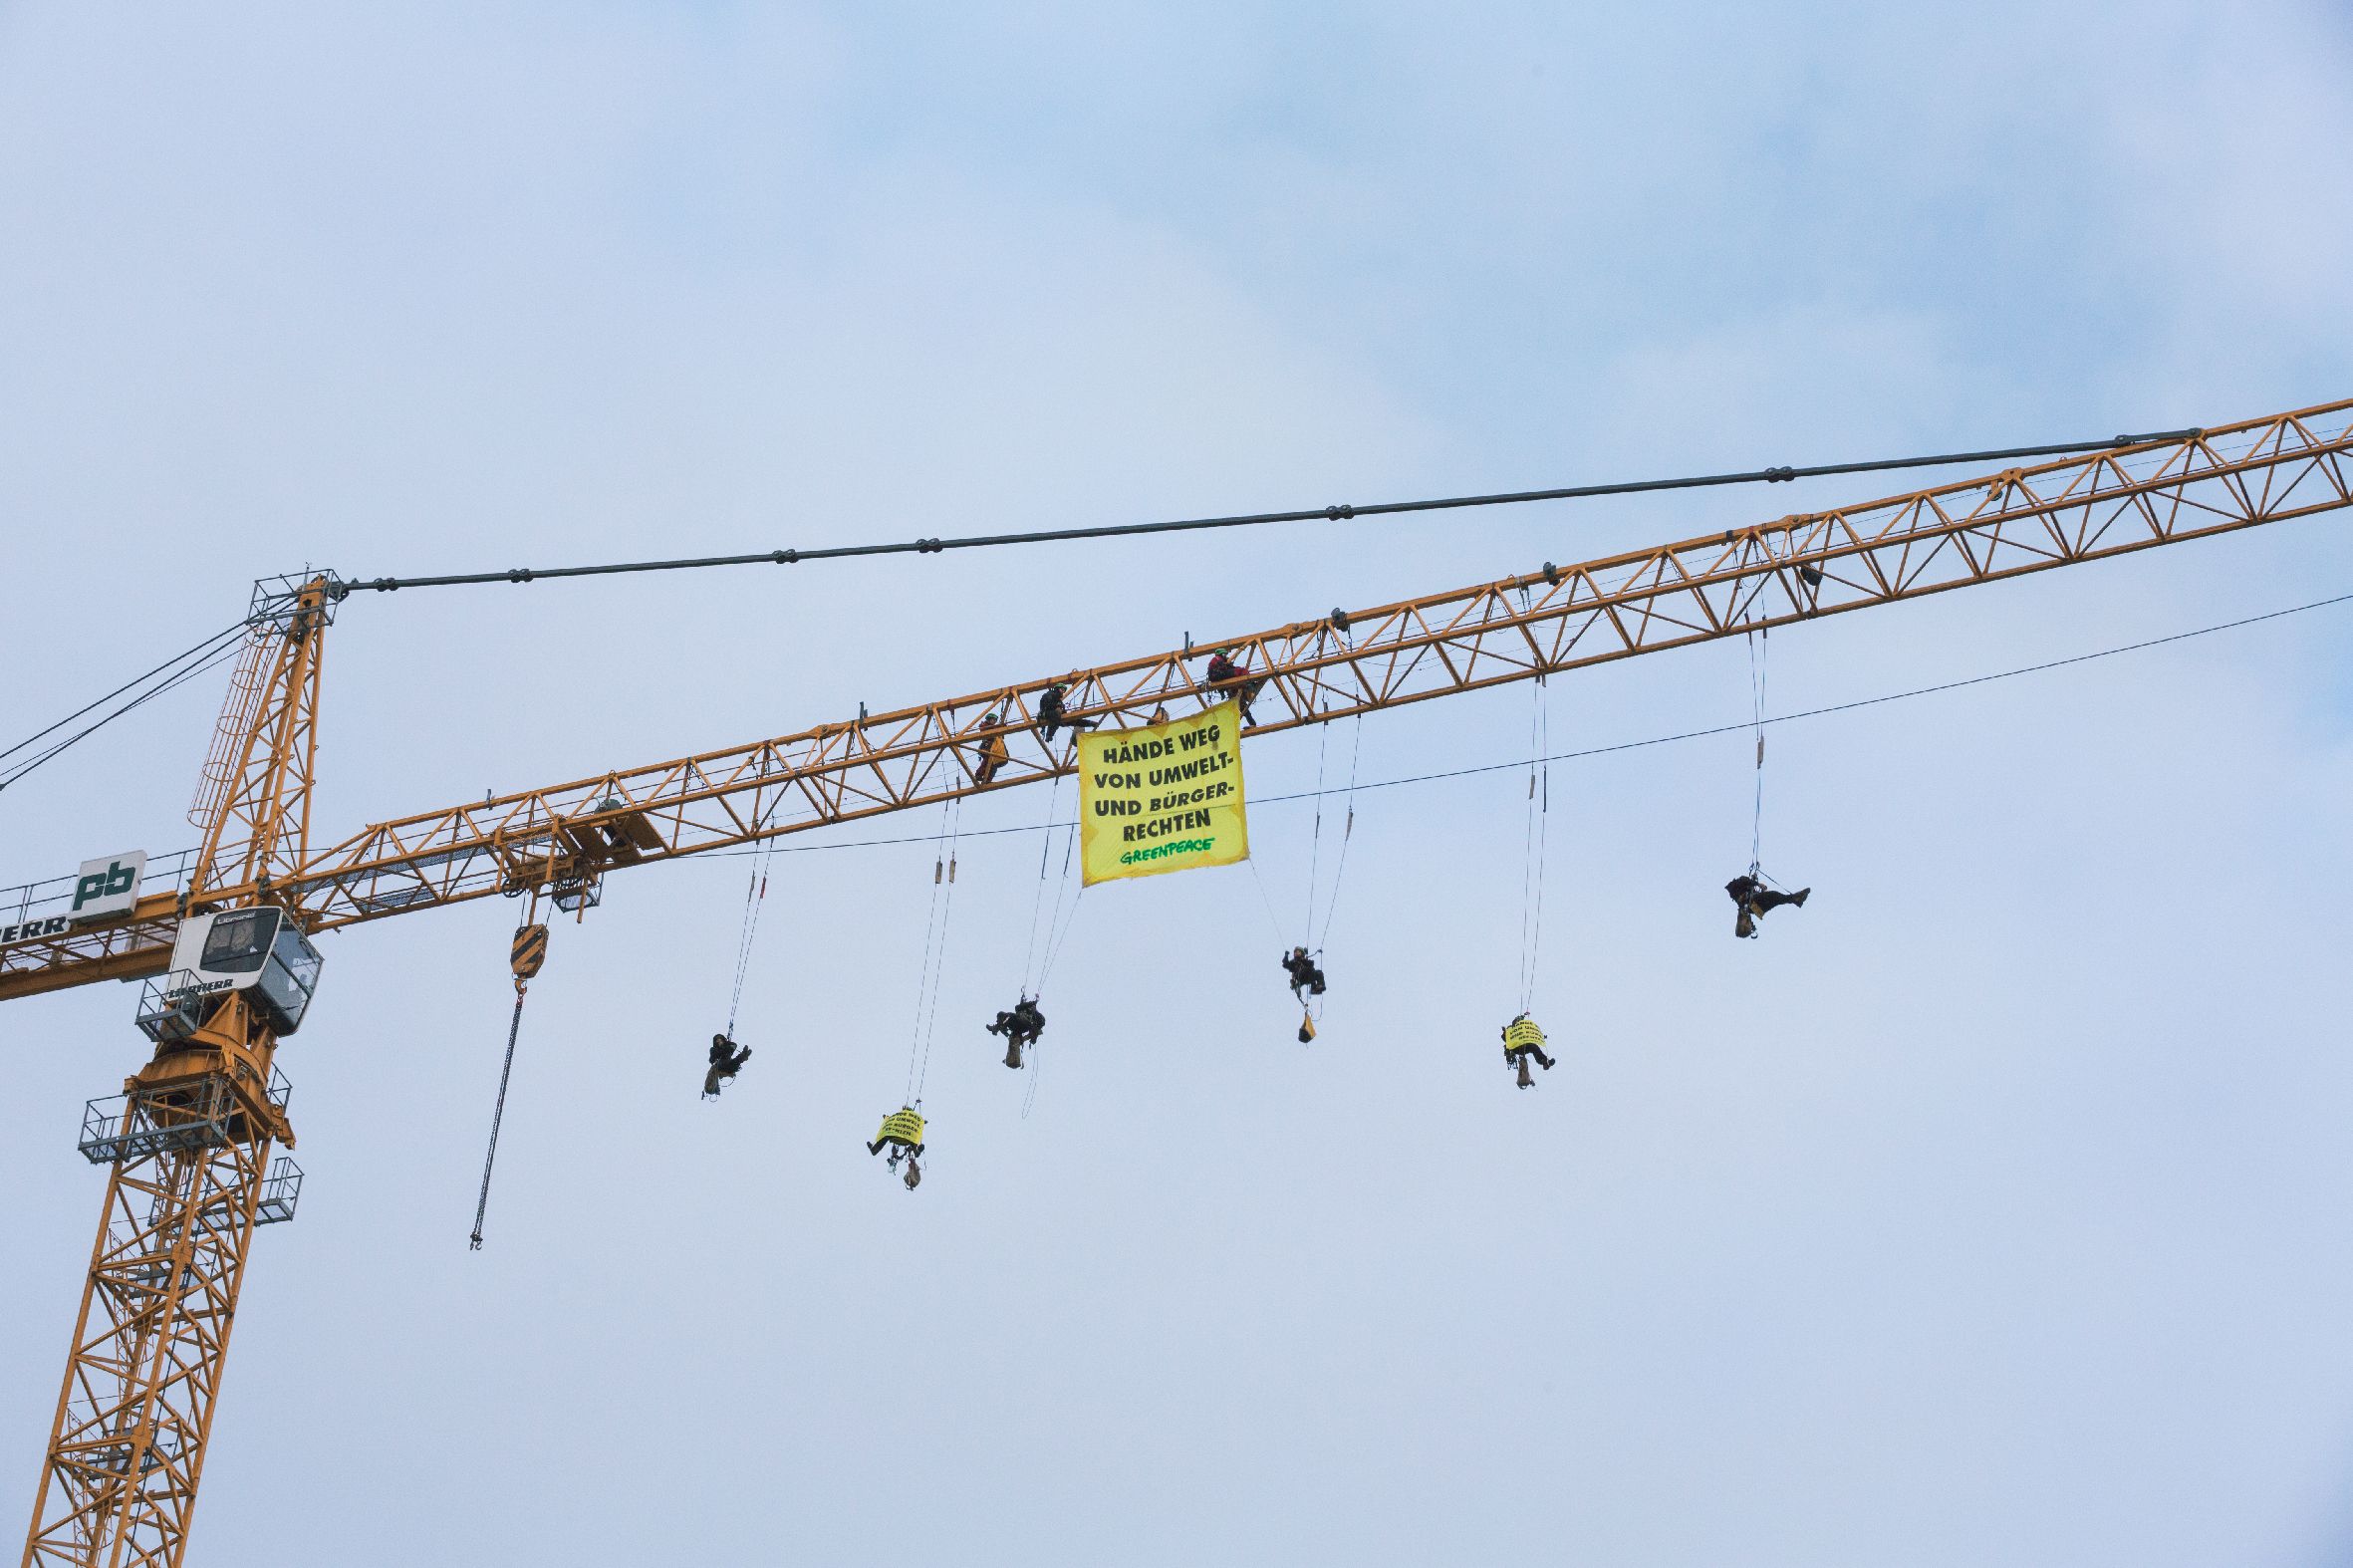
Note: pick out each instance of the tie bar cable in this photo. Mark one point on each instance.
(1338, 512)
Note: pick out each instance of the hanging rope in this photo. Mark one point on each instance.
(1058, 931)
(1347, 831)
(1537, 833)
(1037, 1070)
(1274, 921)
(755, 898)
(943, 892)
(1038, 903)
(1064, 918)
(497, 1115)
(1315, 842)
(1758, 651)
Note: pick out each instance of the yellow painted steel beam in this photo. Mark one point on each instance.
(135, 1414)
(189, 1149)
(1796, 568)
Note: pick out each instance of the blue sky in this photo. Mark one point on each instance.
(1990, 1209)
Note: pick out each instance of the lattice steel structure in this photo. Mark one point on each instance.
(192, 1140)
(190, 1144)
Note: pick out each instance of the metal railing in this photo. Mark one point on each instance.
(196, 1114)
(52, 895)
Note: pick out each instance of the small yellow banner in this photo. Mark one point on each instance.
(1167, 797)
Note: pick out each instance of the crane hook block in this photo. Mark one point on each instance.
(528, 952)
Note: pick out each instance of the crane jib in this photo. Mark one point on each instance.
(1805, 566)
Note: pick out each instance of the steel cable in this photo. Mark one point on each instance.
(1338, 512)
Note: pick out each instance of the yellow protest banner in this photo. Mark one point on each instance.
(1167, 797)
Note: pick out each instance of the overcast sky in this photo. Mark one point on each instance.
(1995, 1208)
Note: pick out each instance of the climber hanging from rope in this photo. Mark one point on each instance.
(1306, 978)
(903, 1134)
(728, 1059)
(1024, 1023)
(1752, 892)
(1522, 1040)
(1020, 1025)
(1302, 963)
(1752, 898)
(902, 1128)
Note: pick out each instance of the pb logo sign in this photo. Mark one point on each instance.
(109, 885)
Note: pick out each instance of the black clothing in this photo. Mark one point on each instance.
(1020, 1026)
(726, 1060)
(1051, 715)
(1303, 973)
(1519, 1060)
(1753, 898)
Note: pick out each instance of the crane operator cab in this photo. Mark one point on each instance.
(902, 1131)
(259, 951)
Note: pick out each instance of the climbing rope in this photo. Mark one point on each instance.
(1536, 834)
(1274, 921)
(1347, 831)
(1759, 655)
(1315, 842)
(1065, 918)
(943, 893)
(755, 898)
(1312, 938)
(1037, 1071)
(1038, 903)
(1057, 930)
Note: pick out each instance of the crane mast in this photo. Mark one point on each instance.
(189, 1145)
(191, 1139)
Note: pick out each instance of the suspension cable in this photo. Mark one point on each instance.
(1338, 512)
(172, 673)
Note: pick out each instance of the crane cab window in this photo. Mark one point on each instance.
(291, 975)
(300, 959)
(238, 943)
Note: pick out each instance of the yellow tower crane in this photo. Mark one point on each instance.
(226, 950)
